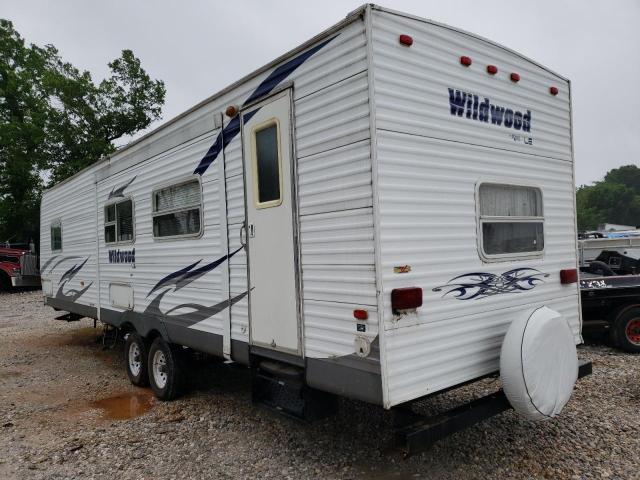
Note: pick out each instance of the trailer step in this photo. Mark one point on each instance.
(280, 387)
(69, 317)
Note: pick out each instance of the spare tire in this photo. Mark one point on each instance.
(539, 364)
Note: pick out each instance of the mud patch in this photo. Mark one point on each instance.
(5, 374)
(125, 406)
(80, 337)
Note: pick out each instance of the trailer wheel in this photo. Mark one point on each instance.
(626, 330)
(165, 375)
(136, 359)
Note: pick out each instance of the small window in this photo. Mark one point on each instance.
(266, 165)
(177, 210)
(56, 236)
(118, 222)
(511, 221)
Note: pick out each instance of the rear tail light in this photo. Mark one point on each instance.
(568, 275)
(406, 298)
(360, 314)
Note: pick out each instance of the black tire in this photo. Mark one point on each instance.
(136, 356)
(5, 282)
(165, 370)
(626, 330)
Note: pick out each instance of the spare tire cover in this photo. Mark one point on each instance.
(539, 364)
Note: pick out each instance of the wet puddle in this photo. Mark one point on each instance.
(125, 406)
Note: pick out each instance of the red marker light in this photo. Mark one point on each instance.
(492, 69)
(406, 298)
(406, 40)
(553, 90)
(568, 275)
(515, 77)
(360, 314)
(466, 61)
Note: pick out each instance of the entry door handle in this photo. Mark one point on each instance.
(252, 231)
(243, 239)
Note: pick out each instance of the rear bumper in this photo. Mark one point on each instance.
(25, 281)
(414, 432)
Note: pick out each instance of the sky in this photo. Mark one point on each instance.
(200, 47)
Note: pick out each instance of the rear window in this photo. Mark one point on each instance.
(511, 221)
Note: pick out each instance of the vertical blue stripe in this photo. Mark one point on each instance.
(267, 85)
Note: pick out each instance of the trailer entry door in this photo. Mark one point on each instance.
(269, 227)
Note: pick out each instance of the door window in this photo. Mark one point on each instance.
(267, 164)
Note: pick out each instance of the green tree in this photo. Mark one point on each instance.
(55, 120)
(628, 175)
(616, 199)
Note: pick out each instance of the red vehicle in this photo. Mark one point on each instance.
(18, 268)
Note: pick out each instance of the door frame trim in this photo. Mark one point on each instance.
(285, 89)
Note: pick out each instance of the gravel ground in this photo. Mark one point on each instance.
(67, 410)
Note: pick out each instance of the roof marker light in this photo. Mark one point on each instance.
(553, 90)
(464, 60)
(515, 77)
(492, 69)
(406, 40)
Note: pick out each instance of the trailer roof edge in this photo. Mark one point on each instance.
(351, 17)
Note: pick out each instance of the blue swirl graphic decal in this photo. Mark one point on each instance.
(119, 192)
(186, 275)
(73, 294)
(267, 85)
(483, 284)
(181, 278)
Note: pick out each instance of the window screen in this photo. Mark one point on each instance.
(176, 210)
(56, 236)
(118, 222)
(511, 219)
(267, 165)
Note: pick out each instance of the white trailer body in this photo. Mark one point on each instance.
(356, 165)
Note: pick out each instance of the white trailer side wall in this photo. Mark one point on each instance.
(332, 151)
(70, 273)
(429, 164)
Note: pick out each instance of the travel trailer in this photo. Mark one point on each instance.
(367, 215)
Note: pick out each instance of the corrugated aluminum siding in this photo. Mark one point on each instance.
(330, 92)
(74, 205)
(429, 164)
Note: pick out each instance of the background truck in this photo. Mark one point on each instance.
(18, 268)
(610, 291)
